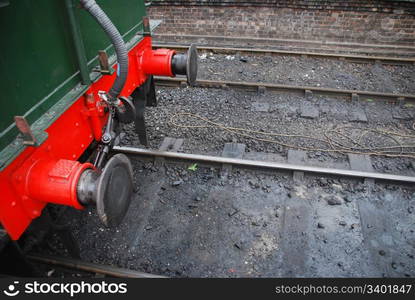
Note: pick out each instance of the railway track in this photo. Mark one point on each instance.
(308, 215)
(305, 90)
(293, 220)
(267, 165)
(87, 267)
(382, 50)
(263, 51)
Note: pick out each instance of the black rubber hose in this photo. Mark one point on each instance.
(120, 49)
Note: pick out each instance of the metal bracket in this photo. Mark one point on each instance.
(143, 96)
(146, 26)
(105, 68)
(24, 128)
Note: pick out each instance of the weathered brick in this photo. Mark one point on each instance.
(345, 21)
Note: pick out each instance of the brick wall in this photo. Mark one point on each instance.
(365, 21)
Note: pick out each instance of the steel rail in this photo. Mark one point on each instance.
(250, 39)
(90, 267)
(350, 57)
(255, 86)
(263, 164)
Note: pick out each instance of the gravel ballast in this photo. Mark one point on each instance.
(252, 224)
(283, 114)
(308, 71)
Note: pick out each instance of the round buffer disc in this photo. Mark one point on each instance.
(191, 65)
(114, 190)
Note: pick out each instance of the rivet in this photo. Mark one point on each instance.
(77, 124)
(82, 146)
(13, 203)
(73, 156)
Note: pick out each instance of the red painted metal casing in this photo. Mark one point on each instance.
(158, 62)
(49, 173)
(55, 181)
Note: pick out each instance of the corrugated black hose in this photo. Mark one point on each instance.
(120, 49)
